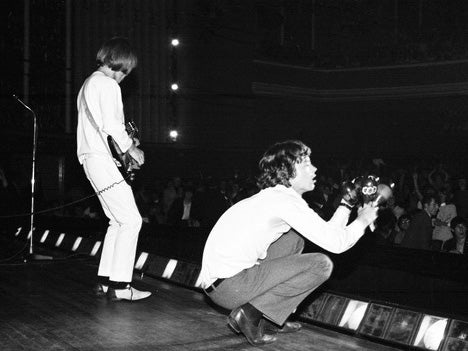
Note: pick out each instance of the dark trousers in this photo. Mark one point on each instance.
(279, 283)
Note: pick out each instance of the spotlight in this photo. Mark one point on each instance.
(175, 42)
(174, 86)
(173, 134)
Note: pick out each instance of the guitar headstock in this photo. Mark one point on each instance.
(131, 128)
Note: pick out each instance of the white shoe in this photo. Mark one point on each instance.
(129, 294)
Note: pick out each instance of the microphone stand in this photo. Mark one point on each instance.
(31, 255)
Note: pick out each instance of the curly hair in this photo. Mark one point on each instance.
(118, 54)
(277, 164)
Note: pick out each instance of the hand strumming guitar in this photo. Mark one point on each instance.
(137, 154)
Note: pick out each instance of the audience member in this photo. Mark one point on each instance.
(447, 211)
(180, 213)
(458, 244)
(419, 233)
(397, 208)
(403, 224)
(170, 193)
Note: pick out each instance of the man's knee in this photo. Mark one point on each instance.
(134, 223)
(137, 222)
(322, 265)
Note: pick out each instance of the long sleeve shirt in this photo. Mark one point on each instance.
(104, 99)
(245, 231)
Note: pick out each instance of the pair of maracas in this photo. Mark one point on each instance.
(367, 190)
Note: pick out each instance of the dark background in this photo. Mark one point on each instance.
(352, 79)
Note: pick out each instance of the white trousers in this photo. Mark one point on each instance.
(120, 243)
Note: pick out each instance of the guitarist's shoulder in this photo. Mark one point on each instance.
(101, 81)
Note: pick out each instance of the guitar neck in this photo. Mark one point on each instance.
(131, 129)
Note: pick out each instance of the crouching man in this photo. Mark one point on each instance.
(252, 261)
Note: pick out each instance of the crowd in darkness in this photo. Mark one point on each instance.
(428, 210)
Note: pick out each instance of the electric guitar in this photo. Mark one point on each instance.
(124, 161)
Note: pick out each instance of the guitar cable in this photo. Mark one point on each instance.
(96, 193)
(3, 261)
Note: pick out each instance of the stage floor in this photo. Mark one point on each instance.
(49, 306)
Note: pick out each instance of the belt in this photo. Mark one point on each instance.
(214, 285)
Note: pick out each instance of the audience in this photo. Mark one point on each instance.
(428, 210)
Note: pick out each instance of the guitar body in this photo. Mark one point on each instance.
(124, 161)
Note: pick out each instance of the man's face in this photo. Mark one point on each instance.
(405, 223)
(432, 207)
(305, 176)
(460, 231)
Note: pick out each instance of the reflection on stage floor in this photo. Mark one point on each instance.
(49, 305)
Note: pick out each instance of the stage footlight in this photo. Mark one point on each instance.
(313, 310)
(431, 332)
(353, 314)
(332, 309)
(402, 326)
(457, 337)
(376, 320)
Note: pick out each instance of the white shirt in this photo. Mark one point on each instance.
(186, 213)
(446, 213)
(245, 231)
(104, 99)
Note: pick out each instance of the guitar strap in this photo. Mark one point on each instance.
(94, 124)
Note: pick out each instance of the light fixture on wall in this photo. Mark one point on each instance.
(173, 134)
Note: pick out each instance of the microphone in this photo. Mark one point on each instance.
(22, 103)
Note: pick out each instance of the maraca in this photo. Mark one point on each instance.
(384, 192)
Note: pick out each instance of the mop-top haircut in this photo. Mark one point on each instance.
(277, 163)
(118, 55)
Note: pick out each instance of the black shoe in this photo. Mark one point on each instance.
(100, 290)
(288, 327)
(241, 323)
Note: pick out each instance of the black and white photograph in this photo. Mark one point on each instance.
(233, 175)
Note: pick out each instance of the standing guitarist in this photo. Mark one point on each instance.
(100, 114)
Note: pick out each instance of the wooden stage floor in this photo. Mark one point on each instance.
(49, 306)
